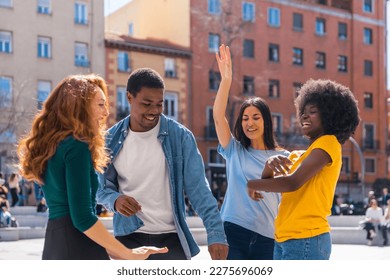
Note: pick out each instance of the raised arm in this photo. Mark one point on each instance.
(225, 68)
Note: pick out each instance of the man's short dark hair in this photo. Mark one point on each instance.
(144, 77)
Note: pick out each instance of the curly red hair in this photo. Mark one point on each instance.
(67, 111)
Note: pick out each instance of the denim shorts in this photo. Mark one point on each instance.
(314, 248)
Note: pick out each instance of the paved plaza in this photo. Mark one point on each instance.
(31, 249)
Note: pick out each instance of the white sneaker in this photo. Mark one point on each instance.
(369, 243)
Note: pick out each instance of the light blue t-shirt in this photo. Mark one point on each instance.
(238, 208)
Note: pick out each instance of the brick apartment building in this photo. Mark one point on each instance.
(276, 46)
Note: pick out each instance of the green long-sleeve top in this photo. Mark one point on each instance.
(70, 184)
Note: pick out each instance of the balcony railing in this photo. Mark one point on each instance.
(370, 144)
(291, 140)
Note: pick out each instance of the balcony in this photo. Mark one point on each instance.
(338, 4)
(291, 140)
(369, 144)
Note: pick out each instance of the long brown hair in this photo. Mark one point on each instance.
(66, 112)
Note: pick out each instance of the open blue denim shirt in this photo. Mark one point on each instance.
(186, 174)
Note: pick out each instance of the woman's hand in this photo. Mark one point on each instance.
(224, 62)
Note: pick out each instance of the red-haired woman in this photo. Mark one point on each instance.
(62, 152)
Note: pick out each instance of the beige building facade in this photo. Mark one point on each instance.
(41, 42)
(124, 54)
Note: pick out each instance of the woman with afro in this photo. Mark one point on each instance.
(328, 115)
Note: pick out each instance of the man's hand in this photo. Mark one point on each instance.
(218, 251)
(127, 205)
(279, 164)
(255, 195)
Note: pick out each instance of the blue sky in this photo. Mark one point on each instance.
(112, 5)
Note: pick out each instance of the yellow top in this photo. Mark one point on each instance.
(303, 213)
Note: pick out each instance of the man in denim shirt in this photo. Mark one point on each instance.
(155, 160)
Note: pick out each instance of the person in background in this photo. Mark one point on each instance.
(62, 153)
(249, 223)
(374, 218)
(386, 223)
(155, 163)
(5, 215)
(42, 207)
(14, 188)
(328, 115)
(384, 198)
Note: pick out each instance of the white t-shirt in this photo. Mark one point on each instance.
(143, 174)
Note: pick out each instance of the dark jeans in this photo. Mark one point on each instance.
(245, 244)
(170, 240)
(370, 226)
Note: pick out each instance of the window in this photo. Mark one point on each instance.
(248, 11)
(131, 29)
(5, 41)
(320, 60)
(80, 13)
(214, 6)
(215, 158)
(44, 89)
(44, 7)
(277, 123)
(122, 104)
(214, 80)
(297, 22)
(44, 47)
(273, 52)
(342, 63)
(273, 89)
(367, 36)
(249, 85)
(170, 105)
(342, 30)
(5, 92)
(369, 165)
(170, 68)
(123, 62)
(368, 136)
(296, 87)
(81, 55)
(367, 6)
(368, 100)
(320, 26)
(368, 69)
(5, 3)
(213, 42)
(345, 166)
(249, 48)
(297, 56)
(274, 17)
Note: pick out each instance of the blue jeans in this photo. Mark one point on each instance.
(314, 248)
(245, 244)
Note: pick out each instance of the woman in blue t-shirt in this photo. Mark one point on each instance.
(249, 223)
